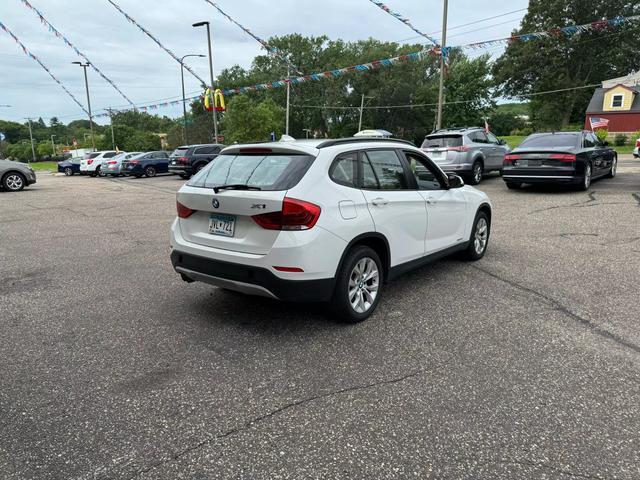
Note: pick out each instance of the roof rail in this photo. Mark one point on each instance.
(341, 141)
(455, 128)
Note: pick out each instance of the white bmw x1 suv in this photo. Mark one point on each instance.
(323, 220)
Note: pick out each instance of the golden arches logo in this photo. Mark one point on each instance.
(214, 100)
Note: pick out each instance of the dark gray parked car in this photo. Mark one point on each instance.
(14, 176)
(188, 160)
(468, 152)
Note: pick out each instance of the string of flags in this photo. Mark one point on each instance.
(36, 59)
(568, 31)
(148, 34)
(271, 49)
(404, 20)
(54, 31)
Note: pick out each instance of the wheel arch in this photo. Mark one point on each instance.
(377, 242)
(486, 209)
(9, 172)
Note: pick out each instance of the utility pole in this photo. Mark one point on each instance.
(86, 84)
(286, 128)
(53, 146)
(361, 110)
(215, 116)
(113, 137)
(33, 150)
(442, 65)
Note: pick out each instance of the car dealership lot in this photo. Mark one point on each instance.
(525, 364)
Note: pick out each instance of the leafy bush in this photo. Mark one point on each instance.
(620, 140)
(635, 136)
(522, 132)
(502, 123)
(602, 134)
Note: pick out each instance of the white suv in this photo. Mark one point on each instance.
(323, 220)
(91, 163)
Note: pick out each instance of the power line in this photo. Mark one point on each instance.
(53, 30)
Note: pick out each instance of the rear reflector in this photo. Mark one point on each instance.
(295, 215)
(289, 269)
(563, 157)
(184, 212)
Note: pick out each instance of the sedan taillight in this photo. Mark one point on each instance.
(184, 211)
(510, 158)
(89, 162)
(563, 157)
(295, 215)
(111, 162)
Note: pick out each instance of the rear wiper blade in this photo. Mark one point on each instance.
(238, 186)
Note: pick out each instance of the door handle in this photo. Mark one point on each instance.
(379, 202)
(431, 201)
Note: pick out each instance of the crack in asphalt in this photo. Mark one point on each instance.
(591, 202)
(602, 332)
(269, 415)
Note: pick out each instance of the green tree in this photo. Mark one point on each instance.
(558, 61)
(249, 121)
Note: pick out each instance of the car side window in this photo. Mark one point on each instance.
(387, 169)
(343, 169)
(478, 137)
(424, 173)
(588, 141)
(110, 154)
(493, 139)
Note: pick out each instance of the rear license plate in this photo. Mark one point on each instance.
(222, 225)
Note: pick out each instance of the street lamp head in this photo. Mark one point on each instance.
(81, 64)
(200, 24)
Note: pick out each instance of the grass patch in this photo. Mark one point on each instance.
(514, 140)
(37, 166)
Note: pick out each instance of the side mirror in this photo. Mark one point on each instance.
(455, 181)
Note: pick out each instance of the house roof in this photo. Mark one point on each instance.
(597, 101)
(622, 85)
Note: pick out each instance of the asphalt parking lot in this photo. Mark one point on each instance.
(523, 365)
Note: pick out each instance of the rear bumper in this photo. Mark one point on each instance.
(250, 280)
(541, 178)
(180, 169)
(456, 167)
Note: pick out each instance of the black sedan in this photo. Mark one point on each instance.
(70, 167)
(574, 158)
(148, 164)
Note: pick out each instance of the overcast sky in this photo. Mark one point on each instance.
(147, 74)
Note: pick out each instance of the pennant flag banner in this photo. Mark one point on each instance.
(54, 31)
(36, 59)
(148, 34)
(272, 50)
(568, 31)
(404, 20)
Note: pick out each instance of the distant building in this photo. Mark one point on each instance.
(618, 100)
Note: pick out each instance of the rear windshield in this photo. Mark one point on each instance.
(267, 172)
(555, 140)
(179, 152)
(442, 141)
(88, 156)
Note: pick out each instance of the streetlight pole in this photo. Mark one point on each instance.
(86, 84)
(53, 146)
(184, 100)
(33, 149)
(113, 137)
(215, 116)
(442, 65)
(286, 127)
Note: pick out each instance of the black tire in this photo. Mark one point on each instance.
(137, 175)
(614, 168)
(14, 182)
(475, 177)
(96, 173)
(513, 185)
(479, 240)
(68, 171)
(585, 183)
(150, 171)
(341, 301)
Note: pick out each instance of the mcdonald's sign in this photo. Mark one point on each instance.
(214, 100)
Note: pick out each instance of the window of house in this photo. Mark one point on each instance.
(617, 100)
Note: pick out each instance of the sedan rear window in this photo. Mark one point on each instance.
(440, 141)
(179, 152)
(267, 172)
(551, 140)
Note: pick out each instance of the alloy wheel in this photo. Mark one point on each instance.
(150, 172)
(587, 177)
(363, 285)
(477, 173)
(614, 167)
(68, 172)
(14, 182)
(481, 236)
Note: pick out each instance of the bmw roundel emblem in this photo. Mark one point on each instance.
(215, 203)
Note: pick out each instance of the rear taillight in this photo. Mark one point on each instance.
(111, 162)
(89, 162)
(463, 148)
(638, 143)
(133, 162)
(563, 157)
(509, 159)
(295, 215)
(183, 160)
(184, 212)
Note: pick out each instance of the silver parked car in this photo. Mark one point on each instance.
(113, 166)
(14, 176)
(468, 152)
